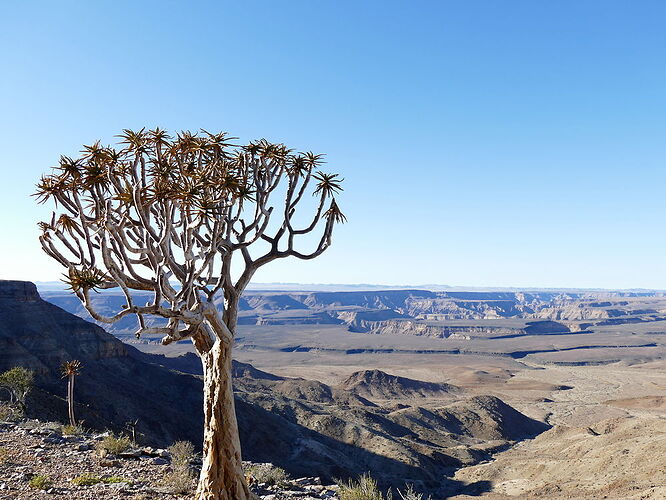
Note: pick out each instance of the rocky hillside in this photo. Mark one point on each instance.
(116, 385)
(618, 458)
(375, 384)
(304, 426)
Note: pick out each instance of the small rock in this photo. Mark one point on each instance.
(109, 463)
(52, 440)
(158, 461)
(131, 454)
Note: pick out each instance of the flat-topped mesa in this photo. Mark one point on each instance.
(23, 291)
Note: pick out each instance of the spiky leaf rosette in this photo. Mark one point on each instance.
(70, 368)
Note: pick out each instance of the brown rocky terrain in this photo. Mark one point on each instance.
(619, 458)
(400, 428)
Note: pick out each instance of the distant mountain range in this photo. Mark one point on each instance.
(352, 287)
(455, 314)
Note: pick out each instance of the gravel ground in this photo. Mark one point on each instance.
(32, 449)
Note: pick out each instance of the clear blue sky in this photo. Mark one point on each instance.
(488, 143)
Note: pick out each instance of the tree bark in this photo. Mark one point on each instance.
(222, 475)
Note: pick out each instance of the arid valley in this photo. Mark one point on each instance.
(587, 367)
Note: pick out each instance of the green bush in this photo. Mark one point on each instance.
(115, 445)
(115, 479)
(86, 480)
(90, 480)
(18, 382)
(40, 482)
(364, 488)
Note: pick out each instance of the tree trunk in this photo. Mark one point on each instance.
(70, 401)
(222, 475)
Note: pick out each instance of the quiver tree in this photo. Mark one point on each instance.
(69, 370)
(190, 219)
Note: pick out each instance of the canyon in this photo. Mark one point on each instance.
(466, 394)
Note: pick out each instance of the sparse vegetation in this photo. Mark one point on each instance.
(41, 482)
(115, 479)
(4, 455)
(364, 488)
(18, 381)
(86, 480)
(266, 473)
(182, 452)
(10, 412)
(73, 430)
(90, 480)
(180, 479)
(114, 445)
(410, 494)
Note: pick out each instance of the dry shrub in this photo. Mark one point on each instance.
(180, 479)
(114, 445)
(266, 473)
(10, 412)
(364, 488)
(410, 494)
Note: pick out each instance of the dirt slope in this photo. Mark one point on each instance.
(619, 458)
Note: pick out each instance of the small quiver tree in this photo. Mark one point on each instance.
(70, 369)
(18, 382)
(190, 219)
